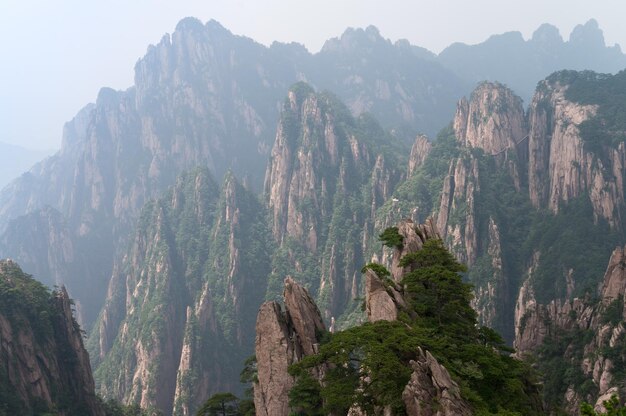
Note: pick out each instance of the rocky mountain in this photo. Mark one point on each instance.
(203, 97)
(327, 175)
(303, 369)
(520, 64)
(15, 160)
(179, 315)
(579, 341)
(45, 368)
(500, 177)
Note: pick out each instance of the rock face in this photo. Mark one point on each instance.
(599, 325)
(492, 120)
(383, 299)
(419, 151)
(561, 167)
(179, 318)
(203, 97)
(45, 365)
(431, 391)
(285, 337)
(282, 338)
(323, 170)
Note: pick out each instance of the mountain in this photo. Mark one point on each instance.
(327, 175)
(579, 342)
(418, 319)
(150, 212)
(202, 97)
(520, 64)
(15, 160)
(45, 368)
(179, 315)
(205, 97)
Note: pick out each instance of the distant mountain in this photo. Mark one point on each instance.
(520, 64)
(15, 160)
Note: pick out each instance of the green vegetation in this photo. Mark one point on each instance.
(561, 244)
(369, 364)
(113, 407)
(612, 406)
(391, 238)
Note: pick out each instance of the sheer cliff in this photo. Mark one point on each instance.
(578, 342)
(45, 368)
(327, 175)
(179, 316)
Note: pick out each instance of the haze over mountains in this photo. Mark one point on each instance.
(174, 208)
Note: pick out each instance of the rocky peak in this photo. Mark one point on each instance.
(588, 35)
(413, 238)
(548, 36)
(493, 119)
(614, 284)
(303, 314)
(356, 40)
(419, 151)
(431, 391)
(283, 338)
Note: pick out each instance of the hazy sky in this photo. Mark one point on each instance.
(56, 54)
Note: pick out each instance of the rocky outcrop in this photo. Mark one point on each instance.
(179, 319)
(413, 238)
(45, 365)
(492, 120)
(282, 338)
(601, 324)
(419, 152)
(323, 169)
(383, 298)
(561, 166)
(431, 390)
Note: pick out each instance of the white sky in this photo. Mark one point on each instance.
(56, 54)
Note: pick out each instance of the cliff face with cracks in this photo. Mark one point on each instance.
(592, 336)
(283, 338)
(178, 320)
(491, 132)
(561, 165)
(325, 167)
(44, 363)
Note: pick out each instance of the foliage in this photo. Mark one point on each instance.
(113, 407)
(612, 406)
(391, 238)
(220, 404)
(560, 245)
(380, 270)
(368, 365)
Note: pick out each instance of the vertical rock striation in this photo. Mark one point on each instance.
(282, 338)
(44, 364)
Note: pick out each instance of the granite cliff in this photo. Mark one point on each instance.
(45, 367)
(294, 354)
